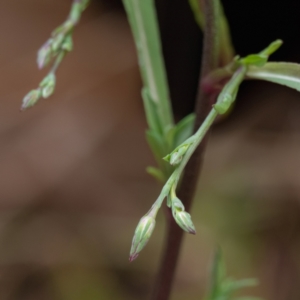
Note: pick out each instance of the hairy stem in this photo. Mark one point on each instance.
(186, 192)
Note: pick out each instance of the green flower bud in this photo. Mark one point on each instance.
(141, 236)
(223, 106)
(175, 157)
(48, 85)
(57, 42)
(31, 98)
(44, 54)
(67, 45)
(182, 218)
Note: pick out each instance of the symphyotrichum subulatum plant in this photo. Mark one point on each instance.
(174, 144)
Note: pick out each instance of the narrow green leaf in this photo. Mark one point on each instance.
(283, 73)
(156, 143)
(156, 173)
(272, 48)
(255, 60)
(143, 20)
(217, 275)
(170, 134)
(150, 110)
(184, 129)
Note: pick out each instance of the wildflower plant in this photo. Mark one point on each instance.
(174, 144)
(224, 81)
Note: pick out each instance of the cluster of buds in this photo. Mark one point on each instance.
(55, 48)
(146, 225)
(45, 90)
(61, 37)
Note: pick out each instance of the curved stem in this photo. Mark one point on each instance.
(186, 191)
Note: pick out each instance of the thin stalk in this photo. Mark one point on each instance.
(174, 178)
(165, 277)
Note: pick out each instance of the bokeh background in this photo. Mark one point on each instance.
(72, 169)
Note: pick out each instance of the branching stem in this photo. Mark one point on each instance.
(168, 264)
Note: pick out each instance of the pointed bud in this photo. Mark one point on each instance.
(67, 45)
(31, 98)
(47, 91)
(177, 204)
(175, 157)
(224, 103)
(141, 236)
(57, 42)
(182, 218)
(44, 54)
(48, 85)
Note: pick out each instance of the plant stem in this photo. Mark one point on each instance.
(187, 189)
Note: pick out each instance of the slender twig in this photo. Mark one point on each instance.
(186, 192)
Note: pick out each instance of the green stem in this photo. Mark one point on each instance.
(164, 280)
(58, 61)
(174, 178)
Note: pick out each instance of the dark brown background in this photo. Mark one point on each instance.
(72, 178)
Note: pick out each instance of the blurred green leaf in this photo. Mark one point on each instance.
(258, 60)
(283, 73)
(156, 173)
(217, 275)
(222, 288)
(150, 110)
(184, 129)
(272, 48)
(156, 143)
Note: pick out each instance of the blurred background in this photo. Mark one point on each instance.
(72, 169)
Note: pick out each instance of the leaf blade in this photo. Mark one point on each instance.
(283, 73)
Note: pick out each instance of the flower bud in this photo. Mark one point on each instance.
(48, 85)
(223, 106)
(141, 236)
(175, 157)
(44, 54)
(57, 42)
(182, 218)
(31, 98)
(67, 45)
